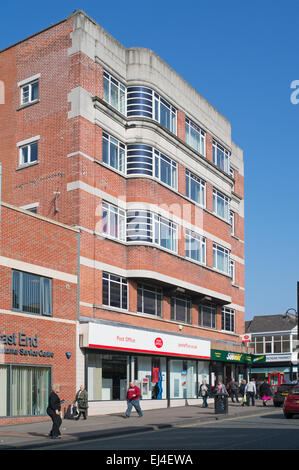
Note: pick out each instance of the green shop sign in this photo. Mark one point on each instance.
(227, 356)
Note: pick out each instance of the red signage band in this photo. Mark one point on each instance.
(100, 346)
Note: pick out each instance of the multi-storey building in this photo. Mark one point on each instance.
(274, 343)
(38, 312)
(114, 142)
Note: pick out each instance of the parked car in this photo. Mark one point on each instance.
(291, 403)
(281, 393)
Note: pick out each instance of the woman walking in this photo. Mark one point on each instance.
(53, 411)
(265, 392)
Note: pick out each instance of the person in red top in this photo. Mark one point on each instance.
(133, 396)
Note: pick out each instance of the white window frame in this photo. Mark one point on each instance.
(158, 223)
(30, 99)
(120, 218)
(228, 316)
(220, 249)
(160, 101)
(217, 196)
(191, 177)
(120, 87)
(202, 136)
(159, 158)
(29, 148)
(123, 285)
(201, 241)
(232, 222)
(121, 161)
(226, 157)
(232, 270)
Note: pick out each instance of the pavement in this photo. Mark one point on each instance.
(35, 435)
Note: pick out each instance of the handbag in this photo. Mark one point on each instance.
(83, 404)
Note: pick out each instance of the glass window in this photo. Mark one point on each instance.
(232, 270)
(113, 221)
(221, 205)
(165, 170)
(165, 233)
(203, 372)
(195, 189)
(221, 157)
(25, 390)
(31, 293)
(232, 222)
(28, 153)
(113, 152)
(286, 345)
(221, 258)
(115, 291)
(164, 113)
(108, 376)
(195, 247)
(228, 319)
(150, 376)
(139, 226)
(149, 300)
(182, 379)
(195, 137)
(29, 92)
(114, 93)
(181, 310)
(207, 316)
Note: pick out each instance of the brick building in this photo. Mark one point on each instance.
(114, 142)
(38, 312)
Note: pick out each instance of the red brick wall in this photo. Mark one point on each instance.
(33, 240)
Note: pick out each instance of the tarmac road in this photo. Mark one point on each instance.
(261, 431)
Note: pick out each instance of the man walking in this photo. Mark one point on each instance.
(250, 391)
(133, 397)
(234, 388)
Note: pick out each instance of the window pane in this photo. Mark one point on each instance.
(115, 294)
(31, 293)
(16, 290)
(34, 91)
(33, 152)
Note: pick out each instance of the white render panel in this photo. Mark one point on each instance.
(143, 66)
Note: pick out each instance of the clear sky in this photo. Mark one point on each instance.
(242, 57)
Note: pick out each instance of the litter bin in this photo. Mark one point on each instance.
(221, 404)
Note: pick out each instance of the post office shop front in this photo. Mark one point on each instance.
(167, 367)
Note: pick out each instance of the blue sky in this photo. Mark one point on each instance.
(242, 57)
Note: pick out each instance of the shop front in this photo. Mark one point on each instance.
(277, 368)
(167, 367)
(226, 365)
(31, 359)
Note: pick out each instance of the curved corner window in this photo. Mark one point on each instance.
(139, 101)
(165, 170)
(139, 226)
(139, 160)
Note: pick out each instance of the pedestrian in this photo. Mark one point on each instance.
(204, 393)
(265, 392)
(242, 392)
(220, 389)
(234, 389)
(250, 391)
(54, 411)
(133, 397)
(81, 400)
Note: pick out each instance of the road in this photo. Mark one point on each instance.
(259, 432)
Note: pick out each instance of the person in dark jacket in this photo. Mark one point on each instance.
(234, 388)
(204, 393)
(133, 396)
(265, 392)
(82, 402)
(242, 391)
(53, 410)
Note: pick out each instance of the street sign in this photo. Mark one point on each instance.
(246, 338)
